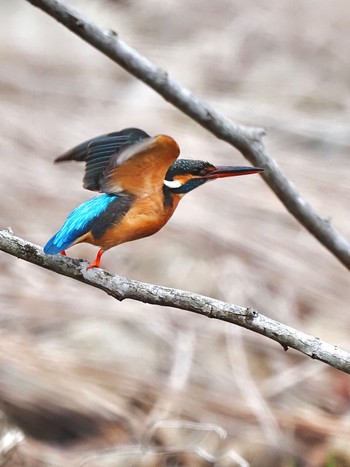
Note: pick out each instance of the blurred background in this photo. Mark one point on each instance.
(94, 382)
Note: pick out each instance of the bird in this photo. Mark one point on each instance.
(141, 180)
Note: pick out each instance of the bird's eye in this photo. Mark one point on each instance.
(204, 171)
(200, 171)
(197, 171)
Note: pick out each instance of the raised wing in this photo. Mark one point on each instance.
(140, 168)
(97, 153)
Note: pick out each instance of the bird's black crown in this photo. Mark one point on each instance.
(188, 167)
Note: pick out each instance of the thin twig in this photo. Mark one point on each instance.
(247, 140)
(121, 288)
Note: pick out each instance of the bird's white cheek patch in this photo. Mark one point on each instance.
(172, 183)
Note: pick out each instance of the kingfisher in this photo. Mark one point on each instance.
(141, 180)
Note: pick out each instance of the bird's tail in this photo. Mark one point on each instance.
(53, 247)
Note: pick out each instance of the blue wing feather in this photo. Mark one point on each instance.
(78, 223)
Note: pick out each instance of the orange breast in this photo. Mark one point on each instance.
(146, 217)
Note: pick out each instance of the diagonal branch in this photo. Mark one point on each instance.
(247, 140)
(121, 288)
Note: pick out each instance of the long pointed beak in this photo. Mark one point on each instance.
(228, 171)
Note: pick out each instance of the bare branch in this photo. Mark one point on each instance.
(245, 139)
(121, 288)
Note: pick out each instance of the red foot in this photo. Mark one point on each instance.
(63, 252)
(96, 263)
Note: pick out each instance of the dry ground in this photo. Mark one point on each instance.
(117, 384)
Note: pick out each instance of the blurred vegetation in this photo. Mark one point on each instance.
(113, 383)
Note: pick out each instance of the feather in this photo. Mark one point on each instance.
(98, 151)
(78, 223)
(140, 168)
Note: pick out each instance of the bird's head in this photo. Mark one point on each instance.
(184, 175)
